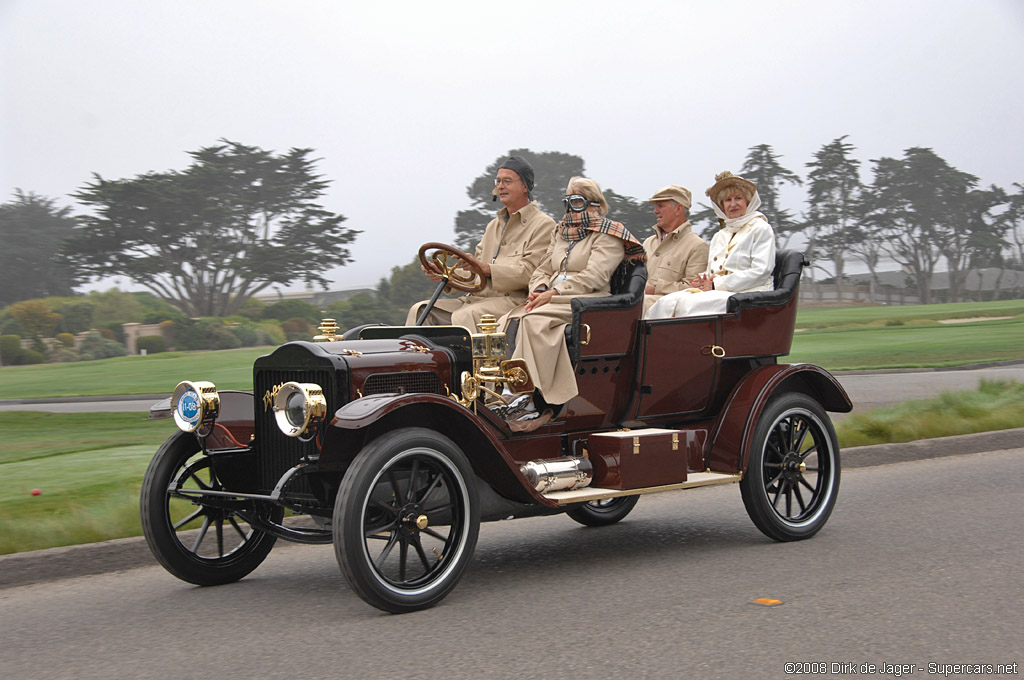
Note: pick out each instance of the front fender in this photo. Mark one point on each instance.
(734, 429)
(483, 442)
(234, 426)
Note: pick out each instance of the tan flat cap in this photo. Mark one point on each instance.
(673, 192)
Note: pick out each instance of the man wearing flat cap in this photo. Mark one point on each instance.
(512, 247)
(675, 255)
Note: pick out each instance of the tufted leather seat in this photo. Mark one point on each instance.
(788, 266)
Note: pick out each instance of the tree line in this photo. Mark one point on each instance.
(240, 219)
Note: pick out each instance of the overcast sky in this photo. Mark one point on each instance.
(407, 102)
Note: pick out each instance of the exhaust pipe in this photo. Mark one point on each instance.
(558, 474)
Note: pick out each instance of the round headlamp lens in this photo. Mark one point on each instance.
(299, 408)
(295, 410)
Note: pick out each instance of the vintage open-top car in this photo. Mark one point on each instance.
(383, 438)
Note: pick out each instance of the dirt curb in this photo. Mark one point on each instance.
(53, 564)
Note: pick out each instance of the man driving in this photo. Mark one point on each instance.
(511, 248)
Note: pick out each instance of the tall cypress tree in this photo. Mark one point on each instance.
(32, 228)
(834, 194)
(926, 211)
(763, 168)
(236, 221)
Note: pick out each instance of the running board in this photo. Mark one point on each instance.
(597, 494)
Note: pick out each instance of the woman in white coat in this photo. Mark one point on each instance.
(741, 257)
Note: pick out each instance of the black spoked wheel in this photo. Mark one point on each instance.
(604, 512)
(792, 479)
(406, 520)
(201, 544)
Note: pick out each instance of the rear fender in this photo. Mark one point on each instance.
(482, 442)
(734, 430)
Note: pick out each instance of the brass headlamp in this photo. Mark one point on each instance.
(299, 408)
(195, 404)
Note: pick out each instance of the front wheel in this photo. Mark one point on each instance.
(406, 520)
(202, 544)
(792, 478)
(604, 512)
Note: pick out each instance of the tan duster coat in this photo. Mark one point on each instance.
(586, 272)
(513, 247)
(673, 260)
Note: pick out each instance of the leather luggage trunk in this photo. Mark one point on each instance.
(634, 459)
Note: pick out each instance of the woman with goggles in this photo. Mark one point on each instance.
(586, 248)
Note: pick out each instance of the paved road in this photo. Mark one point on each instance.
(866, 389)
(918, 565)
(84, 405)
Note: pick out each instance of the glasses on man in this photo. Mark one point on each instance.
(577, 203)
(505, 181)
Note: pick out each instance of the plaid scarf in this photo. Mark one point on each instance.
(574, 227)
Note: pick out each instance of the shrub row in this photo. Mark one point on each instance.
(13, 354)
(208, 334)
(258, 325)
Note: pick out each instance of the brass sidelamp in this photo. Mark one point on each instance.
(490, 367)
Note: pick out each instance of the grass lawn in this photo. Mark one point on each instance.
(31, 435)
(878, 315)
(153, 374)
(910, 346)
(89, 468)
(995, 405)
(86, 497)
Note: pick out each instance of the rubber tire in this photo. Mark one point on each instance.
(755, 491)
(603, 513)
(162, 537)
(367, 474)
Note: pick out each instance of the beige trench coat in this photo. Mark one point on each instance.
(673, 261)
(586, 272)
(513, 251)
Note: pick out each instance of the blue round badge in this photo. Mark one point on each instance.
(188, 407)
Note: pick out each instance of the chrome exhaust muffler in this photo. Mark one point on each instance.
(558, 474)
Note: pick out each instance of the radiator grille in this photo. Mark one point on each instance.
(403, 383)
(277, 452)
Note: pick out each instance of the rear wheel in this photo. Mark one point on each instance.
(604, 512)
(792, 478)
(406, 520)
(201, 544)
